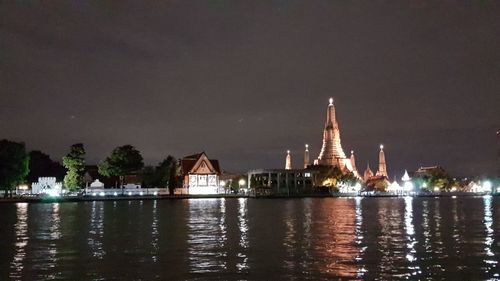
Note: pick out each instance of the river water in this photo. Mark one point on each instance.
(253, 239)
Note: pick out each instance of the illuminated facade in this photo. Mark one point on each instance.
(200, 174)
(46, 185)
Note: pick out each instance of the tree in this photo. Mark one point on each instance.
(167, 171)
(163, 175)
(14, 165)
(124, 160)
(149, 177)
(74, 162)
(42, 166)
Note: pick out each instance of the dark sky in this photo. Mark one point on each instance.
(247, 80)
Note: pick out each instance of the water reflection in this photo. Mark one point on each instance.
(21, 232)
(235, 239)
(410, 236)
(391, 242)
(340, 247)
(490, 260)
(359, 237)
(96, 232)
(206, 235)
(242, 264)
(154, 232)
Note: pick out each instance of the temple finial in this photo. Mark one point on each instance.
(331, 101)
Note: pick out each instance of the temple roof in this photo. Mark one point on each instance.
(188, 162)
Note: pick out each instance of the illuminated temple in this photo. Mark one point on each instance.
(332, 153)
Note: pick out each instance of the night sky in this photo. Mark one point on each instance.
(247, 80)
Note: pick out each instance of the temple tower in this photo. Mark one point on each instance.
(353, 164)
(288, 162)
(382, 168)
(368, 173)
(331, 152)
(306, 157)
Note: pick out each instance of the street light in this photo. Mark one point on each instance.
(241, 182)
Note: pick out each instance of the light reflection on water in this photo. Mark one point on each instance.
(206, 235)
(249, 239)
(96, 231)
(21, 241)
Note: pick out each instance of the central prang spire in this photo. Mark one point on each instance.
(332, 153)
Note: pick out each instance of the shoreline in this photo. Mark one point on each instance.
(219, 196)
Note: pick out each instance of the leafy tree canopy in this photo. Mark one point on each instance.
(74, 162)
(41, 165)
(14, 164)
(124, 160)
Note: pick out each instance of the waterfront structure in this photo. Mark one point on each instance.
(288, 161)
(332, 153)
(47, 185)
(306, 157)
(200, 175)
(282, 182)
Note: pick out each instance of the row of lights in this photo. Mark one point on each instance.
(102, 194)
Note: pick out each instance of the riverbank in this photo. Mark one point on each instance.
(49, 199)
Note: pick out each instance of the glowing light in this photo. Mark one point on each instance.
(155, 193)
(381, 146)
(129, 193)
(436, 189)
(408, 186)
(406, 177)
(202, 190)
(52, 192)
(115, 194)
(487, 186)
(94, 194)
(101, 194)
(453, 189)
(288, 152)
(330, 101)
(424, 185)
(141, 193)
(241, 182)
(222, 183)
(23, 187)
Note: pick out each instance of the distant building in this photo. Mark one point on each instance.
(281, 181)
(200, 175)
(428, 171)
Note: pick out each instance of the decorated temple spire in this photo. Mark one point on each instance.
(353, 163)
(368, 173)
(306, 156)
(382, 168)
(288, 162)
(406, 177)
(331, 151)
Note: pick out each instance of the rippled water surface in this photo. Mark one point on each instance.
(253, 239)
